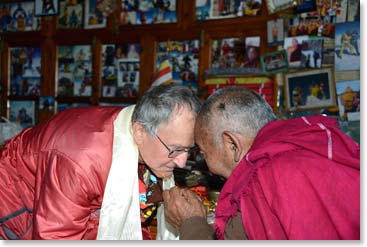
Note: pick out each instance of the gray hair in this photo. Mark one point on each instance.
(159, 104)
(237, 109)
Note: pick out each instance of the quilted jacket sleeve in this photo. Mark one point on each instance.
(63, 208)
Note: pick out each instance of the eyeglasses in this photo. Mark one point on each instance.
(172, 153)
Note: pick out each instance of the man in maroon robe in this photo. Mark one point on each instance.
(286, 179)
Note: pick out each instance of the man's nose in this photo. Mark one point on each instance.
(180, 160)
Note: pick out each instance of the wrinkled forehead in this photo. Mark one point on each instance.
(202, 132)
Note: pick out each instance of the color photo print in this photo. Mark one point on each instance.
(274, 62)
(347, 46)
(71, 14)
(309, 89)
(25, 71)
(74, 70)
(275, 32)
(208, 9)
(120, 70)
(18, 17)
(349, 98)
(148, 12)
(23, 112)
(184, 60)
(235, 53)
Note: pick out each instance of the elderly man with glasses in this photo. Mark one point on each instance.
(97, 172)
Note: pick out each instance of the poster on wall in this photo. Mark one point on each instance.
(349, 97)
(20, 18)
(183, 59)
(46, 7)
(235, 55)
(121, 70)
(148, 12)
(293, 47)
(312, 53)
(93, 17)
(46, 103)
(71, 14)
(74, 70)
(347, 46)
(23, 112)
(275, 32)
(25, 71)
(209, 9)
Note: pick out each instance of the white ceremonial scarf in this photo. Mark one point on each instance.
(120, 213)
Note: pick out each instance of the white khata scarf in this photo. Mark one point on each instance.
(120, 213)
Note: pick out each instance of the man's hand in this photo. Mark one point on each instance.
(182, 204)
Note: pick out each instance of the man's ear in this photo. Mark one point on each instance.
(138, 133)
(232, 142)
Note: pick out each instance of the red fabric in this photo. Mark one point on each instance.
(299, 180)
(59, 170)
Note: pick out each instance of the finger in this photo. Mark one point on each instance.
(192, 195)
(166, 195)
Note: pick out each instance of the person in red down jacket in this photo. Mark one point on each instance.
(96, 172)
(293, 179)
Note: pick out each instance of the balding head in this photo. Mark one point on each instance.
(234, 108)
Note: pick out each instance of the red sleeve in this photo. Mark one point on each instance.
(62, 210)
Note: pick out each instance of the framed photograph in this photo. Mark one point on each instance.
(293, 47)
(93, 17)
(347, 46)
(309, 89)
(274, 62)
(71, 15)
(46, 103)
(23, 112)
(278, 5)
(275, 32)
(26, 80)
(46, 7)
(349, 98)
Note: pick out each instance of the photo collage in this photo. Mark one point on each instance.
(120, 70)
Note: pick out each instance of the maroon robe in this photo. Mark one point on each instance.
(299, 180)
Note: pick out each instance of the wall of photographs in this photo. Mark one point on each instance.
(302, 59)
(322, 44)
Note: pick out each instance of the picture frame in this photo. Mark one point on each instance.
(276, 5)
(275, 32)
(93, 17)
(24, 112)
(274, 62)
(46, 7)
(349, 98)
(309, 89)
(347, 57)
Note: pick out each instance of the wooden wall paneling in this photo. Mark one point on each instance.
(186, 13)
(48, 64)
(147, 62)
(96, 70)
(204, 58)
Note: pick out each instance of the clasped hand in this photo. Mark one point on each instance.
(182, 204)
